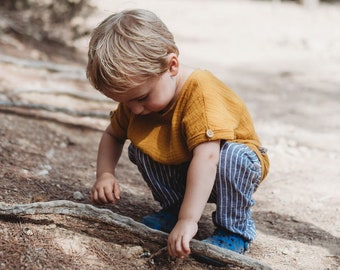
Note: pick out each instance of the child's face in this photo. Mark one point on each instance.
(155, 95)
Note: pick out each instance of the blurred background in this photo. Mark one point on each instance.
(281, 57)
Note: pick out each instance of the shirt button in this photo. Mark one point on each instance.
(210, 133)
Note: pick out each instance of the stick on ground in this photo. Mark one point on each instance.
(89, 212)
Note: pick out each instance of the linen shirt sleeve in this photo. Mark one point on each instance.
(211, 115)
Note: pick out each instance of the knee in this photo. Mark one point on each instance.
(238, 152)
(239, 157)
(231, 152)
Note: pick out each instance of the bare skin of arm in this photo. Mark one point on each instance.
(200, 182)
(106, 188)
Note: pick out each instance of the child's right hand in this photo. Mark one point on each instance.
(105, 189)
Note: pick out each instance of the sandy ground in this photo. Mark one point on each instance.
(281, 58)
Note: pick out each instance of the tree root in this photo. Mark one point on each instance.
(31, 106)
(68, 71)
(89, 212)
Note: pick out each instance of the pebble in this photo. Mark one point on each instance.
(77, 195)
(27, 231)
(42, 172)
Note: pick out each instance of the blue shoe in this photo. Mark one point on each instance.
(228, 240)
(164, 220)
(224, 239)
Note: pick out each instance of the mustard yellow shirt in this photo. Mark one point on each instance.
(206, 109)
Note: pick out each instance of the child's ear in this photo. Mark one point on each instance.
(173, 64)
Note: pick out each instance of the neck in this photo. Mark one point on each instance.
(181, 77)
(183, 74)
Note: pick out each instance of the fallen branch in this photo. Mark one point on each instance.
(73, 93)
(95, 124)
(70, 71)
(48, 108)
(89, 212)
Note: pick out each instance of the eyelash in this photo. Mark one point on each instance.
(142, 99)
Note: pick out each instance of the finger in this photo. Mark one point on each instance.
(186, 244)
(108, 195)
(171, 249)
(101, 196)
(94, 196)
(116, 190)
(179, 250)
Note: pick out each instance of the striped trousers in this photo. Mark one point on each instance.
(238, 176)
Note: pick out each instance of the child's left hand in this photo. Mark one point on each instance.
(180, 237)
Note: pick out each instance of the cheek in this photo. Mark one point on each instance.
(159, 101)
(156, 105)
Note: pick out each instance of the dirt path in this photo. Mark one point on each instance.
(283, 60)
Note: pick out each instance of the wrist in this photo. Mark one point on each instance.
(190, 219)
(104, 175)
(191, 212)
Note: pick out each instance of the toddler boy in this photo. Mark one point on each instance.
(192, 137)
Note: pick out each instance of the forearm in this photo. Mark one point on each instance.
(106, 188)
(198, 188)
(200, 181)
(109, 152)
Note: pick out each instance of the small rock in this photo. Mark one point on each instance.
(42, 172)
(25, 171)
(77, 195)
(50, 154)
(145, 254)
(63, 145)
(285, 252)
(27, 231)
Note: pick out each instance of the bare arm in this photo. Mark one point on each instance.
(106, 188)
(200, 181)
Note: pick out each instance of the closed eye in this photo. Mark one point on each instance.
(143, 98)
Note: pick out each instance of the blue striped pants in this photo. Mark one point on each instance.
(238, 176)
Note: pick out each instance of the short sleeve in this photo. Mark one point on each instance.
(210, 116)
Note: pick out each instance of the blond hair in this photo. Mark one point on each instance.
(128, 48)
